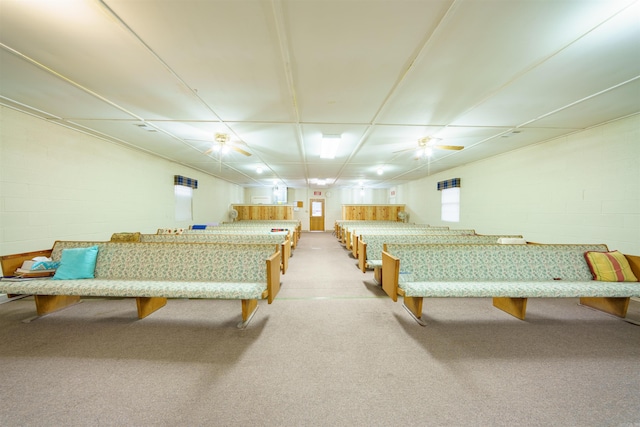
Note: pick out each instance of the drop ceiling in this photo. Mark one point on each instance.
(165, 76)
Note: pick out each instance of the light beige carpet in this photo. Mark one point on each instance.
(331, 350)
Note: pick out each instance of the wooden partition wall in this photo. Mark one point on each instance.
(372, 212)
(264, 212)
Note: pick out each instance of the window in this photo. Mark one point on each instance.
(280, 194)
(450, 205)
(316, 208)
(183, 196)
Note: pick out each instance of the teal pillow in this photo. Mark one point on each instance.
(77, 263)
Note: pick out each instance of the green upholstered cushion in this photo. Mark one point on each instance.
(77, 263)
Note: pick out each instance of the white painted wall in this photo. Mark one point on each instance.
(56, 183)
(583, 188)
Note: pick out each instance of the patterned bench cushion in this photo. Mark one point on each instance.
(205, 262)
(464, 262)
(521, 289)
(356, 233)
(239, 230)
(375, 242)
(139, 288)
(214, 237)
(470, 270)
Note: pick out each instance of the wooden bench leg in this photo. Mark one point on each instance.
(46, 304)
(147, 305)
(616, 306)
(517, 307)
(377, 275)
(414, 306)
(249, 308)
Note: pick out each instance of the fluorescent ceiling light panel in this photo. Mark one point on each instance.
(329, 146)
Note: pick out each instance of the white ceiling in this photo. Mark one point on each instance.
(489, 75)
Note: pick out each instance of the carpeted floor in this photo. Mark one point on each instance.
(331, 350)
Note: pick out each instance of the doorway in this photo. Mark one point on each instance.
(316, 215)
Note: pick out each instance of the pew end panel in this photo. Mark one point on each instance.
(286, 254)
(362, 256)
(390, 275)
(273, 276)
(355, 246)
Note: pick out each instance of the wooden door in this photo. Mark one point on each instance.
(316, 215)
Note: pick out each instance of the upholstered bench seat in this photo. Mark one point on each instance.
(153, 272)
(353, 236)
(370, 246)
(520, 289)
(373, 263)
(507, 273)
(202, 236)
(140, 288)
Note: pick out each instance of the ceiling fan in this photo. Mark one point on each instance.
(427, 144)
(223, 144)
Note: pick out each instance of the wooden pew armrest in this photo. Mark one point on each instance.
(634, 263)
(12, 262)
(362, 256)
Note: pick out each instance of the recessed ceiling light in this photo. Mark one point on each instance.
(329, 146)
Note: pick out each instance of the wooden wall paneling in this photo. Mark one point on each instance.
(371, 212)
(264, 212)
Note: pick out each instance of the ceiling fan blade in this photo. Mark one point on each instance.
(209, 151)
(239, 150)
(448, 147)
(405, 150)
